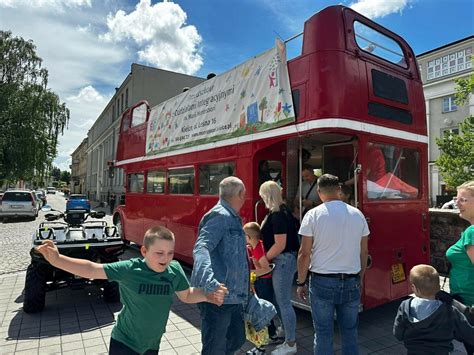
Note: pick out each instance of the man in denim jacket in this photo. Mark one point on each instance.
(220, 260)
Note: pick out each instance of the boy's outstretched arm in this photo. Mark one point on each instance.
(80, 267)
(196, 295)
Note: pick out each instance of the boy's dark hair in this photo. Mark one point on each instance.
(328, 183)
(425, 278)
(252, 229)
(156, 233)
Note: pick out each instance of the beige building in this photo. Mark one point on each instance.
(79, 168)
(439, 69)
(142, 83)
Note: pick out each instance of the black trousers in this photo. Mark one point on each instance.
(118, 348)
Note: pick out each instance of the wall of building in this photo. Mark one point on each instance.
(439, 69)
(142, 83)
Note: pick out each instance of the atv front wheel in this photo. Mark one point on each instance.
(35, 288)
(111, 292)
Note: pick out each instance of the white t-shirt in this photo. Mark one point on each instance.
(337, 229)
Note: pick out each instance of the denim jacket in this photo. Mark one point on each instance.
(220, 254)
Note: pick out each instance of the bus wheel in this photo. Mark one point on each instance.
(119, 226)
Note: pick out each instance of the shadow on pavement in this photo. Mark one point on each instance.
(66, 312)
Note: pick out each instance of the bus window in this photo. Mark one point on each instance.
(181, 181)
(392, 172)
(155, 182)
(135, 182)
(139, 115)
(211, 175)
(378, 44)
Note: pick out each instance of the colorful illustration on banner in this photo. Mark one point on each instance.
(252, 113)
(262, 107)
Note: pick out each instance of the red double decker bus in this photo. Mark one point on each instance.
(356, 100)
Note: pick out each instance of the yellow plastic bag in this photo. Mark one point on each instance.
(259, 338)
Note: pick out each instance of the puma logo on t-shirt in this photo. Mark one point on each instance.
(156, 289)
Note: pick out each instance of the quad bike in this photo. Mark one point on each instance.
(75, 237)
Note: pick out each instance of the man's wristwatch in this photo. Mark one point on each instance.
(300, 284)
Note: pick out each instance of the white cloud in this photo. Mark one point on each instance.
(53, 4)
(161, 31)
(379, 8)
(85, 107)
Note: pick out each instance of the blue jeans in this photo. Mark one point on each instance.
(282, 277)
(222, 328)
(329, 294)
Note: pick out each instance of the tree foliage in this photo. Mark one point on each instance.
(31, 115)
(456, 161)
(66, 176)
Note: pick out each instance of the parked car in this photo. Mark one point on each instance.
(51, 190)
(78, 202)
(19, 203)
(41, 197)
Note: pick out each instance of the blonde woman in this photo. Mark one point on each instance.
(280, 239)
(461, 254)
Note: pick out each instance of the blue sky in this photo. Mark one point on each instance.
(88, 45)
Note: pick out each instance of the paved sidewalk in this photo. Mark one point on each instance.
(80, 322)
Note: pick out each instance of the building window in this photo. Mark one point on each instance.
(449, 131)
(126, 98)
(449, 104)
(121, 107)
(449, 64)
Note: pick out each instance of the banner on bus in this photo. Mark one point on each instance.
(254, 96)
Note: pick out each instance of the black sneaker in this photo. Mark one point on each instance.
(274, 339)
(256, 351)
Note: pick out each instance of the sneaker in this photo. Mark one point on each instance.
(256, 351)
(274, 339)
(284, 349)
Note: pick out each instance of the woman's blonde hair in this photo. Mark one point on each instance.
(468, 185)
(270, 192)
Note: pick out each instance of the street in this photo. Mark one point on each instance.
(80, 322)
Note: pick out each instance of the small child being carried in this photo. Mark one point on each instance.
(426, 324)
(263, 284)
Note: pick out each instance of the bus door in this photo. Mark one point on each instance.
(340, 159)
(394, 204)
(268, 164)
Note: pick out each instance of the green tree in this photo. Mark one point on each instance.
(66, 176)
(56, 174)
(456, 160)
(31, 115)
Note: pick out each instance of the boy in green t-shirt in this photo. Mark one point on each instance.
(146, 289)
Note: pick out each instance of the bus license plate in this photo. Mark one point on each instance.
(398, 273)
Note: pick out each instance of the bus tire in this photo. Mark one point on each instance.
(35, 289)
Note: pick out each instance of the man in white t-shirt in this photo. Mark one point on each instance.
(334, 250)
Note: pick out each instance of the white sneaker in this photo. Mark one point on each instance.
(284, 349)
